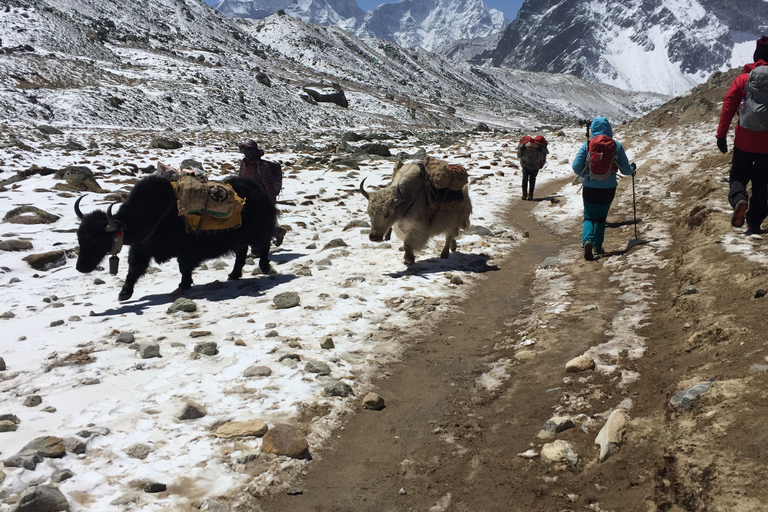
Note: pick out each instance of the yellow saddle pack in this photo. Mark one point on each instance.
(207, 205)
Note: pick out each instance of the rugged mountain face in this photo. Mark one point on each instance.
(430, 23)
(173, 64)
(665, 46)
(341, 13)
(409, 23)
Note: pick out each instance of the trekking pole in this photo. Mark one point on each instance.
(634, 203)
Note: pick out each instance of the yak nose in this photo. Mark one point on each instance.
(375, 237)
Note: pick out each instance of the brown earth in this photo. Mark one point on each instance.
(443, 443)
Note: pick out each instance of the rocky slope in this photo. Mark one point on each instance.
(178, 63)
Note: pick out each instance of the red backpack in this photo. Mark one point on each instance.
(534, 152)
(602, 159)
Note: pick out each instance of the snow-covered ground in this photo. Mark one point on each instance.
(360, 295)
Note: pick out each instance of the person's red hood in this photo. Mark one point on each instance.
(752, 65)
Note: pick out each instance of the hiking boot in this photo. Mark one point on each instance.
(525, 197)
(753, 229)
(598, 252)
(530, 197)
(588, 251)
(739, 212)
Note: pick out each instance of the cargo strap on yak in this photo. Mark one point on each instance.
(118, 236)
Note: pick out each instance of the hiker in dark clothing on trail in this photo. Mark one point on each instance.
(748, 95)
(598, 161)
(268, 174)
(532, 152)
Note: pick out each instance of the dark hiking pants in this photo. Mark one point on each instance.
(750, 167)
(529, 182)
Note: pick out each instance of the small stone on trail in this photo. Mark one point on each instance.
(207, 348)
(191, 411)
(138, 451)
(42, 498)
(251, 428)
(551, 262)
(153, 487)
(33, 401)
(149, 350)
(327, 343)
(182, 304)
(554, 426)
(283, 439)
(317, 367)
(294, 491)
(559, 451)
(61, 475)
(341, 389)
(257, 371)
(610, 436)
(761, 293)
(580, 364)
(373, 401)
(686, 398)
(286, 300)
(690, 290)
(125, 337)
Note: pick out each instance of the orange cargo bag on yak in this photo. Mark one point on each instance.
(443, 175)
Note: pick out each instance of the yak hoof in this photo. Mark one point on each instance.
(234, 276)
(454, 245)
(444, 254)
(125, 294)
(279, 236)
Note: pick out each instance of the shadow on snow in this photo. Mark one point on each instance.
(476, 263)
(214, 292)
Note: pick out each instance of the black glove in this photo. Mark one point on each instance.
(722, 144)
(633, 166)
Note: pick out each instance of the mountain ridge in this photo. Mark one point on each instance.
(180, 64)
(666, 47)
(409, 23)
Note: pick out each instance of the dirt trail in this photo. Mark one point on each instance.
(441, 439)
(445, 443)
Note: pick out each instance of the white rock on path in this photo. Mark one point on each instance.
(610, 436)
(580, 364)
(559, 451)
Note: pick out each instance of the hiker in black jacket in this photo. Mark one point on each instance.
(532, 152)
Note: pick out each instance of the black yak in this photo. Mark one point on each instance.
(149, 223)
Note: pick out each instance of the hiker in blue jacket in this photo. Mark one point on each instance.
(599, 191)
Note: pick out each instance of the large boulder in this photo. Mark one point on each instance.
(79, 177)
(163, 143)
(322, 93)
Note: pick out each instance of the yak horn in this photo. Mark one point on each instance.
(362, 188)
(111, 224)
(77, 208)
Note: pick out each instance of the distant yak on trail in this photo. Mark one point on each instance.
(417, 210)
(149, 223)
